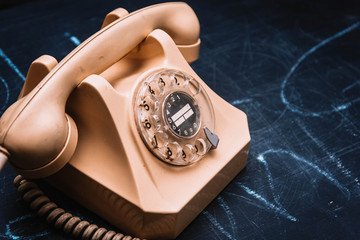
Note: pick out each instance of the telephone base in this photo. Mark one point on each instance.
(129, 217)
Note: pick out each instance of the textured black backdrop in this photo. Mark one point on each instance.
(292, 66)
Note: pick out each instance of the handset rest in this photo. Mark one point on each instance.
(35, 130)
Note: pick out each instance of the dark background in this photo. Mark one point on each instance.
(292, 66)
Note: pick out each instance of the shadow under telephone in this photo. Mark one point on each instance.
(124, 125)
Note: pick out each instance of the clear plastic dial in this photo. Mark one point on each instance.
(171, 110)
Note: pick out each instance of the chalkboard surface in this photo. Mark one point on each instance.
(292, 66)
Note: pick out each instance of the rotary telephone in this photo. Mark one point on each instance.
(124, 126)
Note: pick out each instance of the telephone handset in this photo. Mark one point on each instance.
(97, 124)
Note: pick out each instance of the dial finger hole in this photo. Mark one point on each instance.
(149, 104)
(200, 146)
(164, 81)
(154, 121)
(187, 153)
(178, 80)
(159, 139)
(153, 89)
(194, 87)
(172, 150)
(147, 124)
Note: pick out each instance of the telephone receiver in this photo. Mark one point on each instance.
(124, 126)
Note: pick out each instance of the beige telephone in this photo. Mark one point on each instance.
(126, 127)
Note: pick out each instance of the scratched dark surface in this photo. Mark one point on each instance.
(292, 66)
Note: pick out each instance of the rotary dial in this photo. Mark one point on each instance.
(172, 111)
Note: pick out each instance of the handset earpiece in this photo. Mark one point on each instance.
(36, 132)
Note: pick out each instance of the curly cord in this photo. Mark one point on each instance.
(70, 224)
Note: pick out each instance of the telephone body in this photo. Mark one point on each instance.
(132, 108)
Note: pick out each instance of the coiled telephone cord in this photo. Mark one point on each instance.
(56, 216)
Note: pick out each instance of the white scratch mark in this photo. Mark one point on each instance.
(270, 179)
(73, 39)
(7, 94)
(331, 156)
(342, 107)
(350, 86)
(297, 109)
(314, 166)
(270, 205)
(228, 212)
(213, 220)
(11, 64)
(241, 101)
(12, 233)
